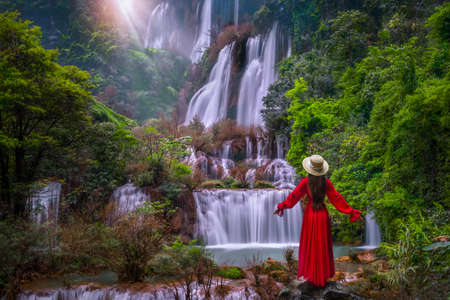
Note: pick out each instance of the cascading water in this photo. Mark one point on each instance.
(160, 21)
(373, 235)
(210, 102)
(242, 217)
(45, 203)
(236, 12)
(203, 39)
(128, 197)
(260, 73)
(93, 292)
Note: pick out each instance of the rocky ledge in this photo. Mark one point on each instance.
(302, 290)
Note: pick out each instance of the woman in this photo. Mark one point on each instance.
(315, 253)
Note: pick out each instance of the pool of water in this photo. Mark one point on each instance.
(244, 255)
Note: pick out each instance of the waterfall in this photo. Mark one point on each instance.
(280, 173)
(260, 73)
(373, 235)
(95, 292)
(158, 24)
(236, 217)
(203, 39)
(289, 51)
(210, 102)
(128, 197)
(236, 12)
(45, 203)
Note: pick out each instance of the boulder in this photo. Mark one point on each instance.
(441, 238)
(303, 290)
(367, 256)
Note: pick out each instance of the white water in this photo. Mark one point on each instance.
(128, 197)
(245, 216)
(203, 39)
(260, 73)
(90, 292)
(373, 235)
(45, 203)
(211, 101)
(280, 173)
(236, 12)
(159, 22)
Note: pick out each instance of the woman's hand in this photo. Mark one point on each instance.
(360, 219)
(278, 212)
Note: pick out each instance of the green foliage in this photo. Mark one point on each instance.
(183, 261)
(102, 113)
(231, 272)
(157, 159)
(383, 127)
(413, 269)
(440, 23)
(18, 244)
(349, 35)
(212, 184)
(43, 104)
(140, 237)
(261, 184)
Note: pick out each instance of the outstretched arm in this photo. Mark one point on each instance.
(339, 202)
(293, 197)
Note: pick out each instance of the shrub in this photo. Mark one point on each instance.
(19, 256)
(140, 237)
(184, 262)
(261, 184)
(212, 184)
(231, 272)
(228, 182)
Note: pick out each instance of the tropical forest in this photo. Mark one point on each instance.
(148, 149)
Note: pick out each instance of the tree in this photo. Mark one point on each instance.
(349, 35)
(43, 106)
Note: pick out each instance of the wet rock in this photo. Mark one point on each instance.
(280, 276)
(302, 290)
(346, 258)
(367, 256)
(273, 265)
(441, 238)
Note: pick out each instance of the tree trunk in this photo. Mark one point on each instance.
(19, 189)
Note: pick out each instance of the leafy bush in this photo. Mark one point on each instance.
(231, 272)
(228, 182)
(20, 254)
(140, 236)
(186, 262)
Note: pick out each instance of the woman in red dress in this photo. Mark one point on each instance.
(315, 253)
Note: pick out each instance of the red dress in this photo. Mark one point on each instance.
(315, 253)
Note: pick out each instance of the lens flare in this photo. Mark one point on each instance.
(126, 6)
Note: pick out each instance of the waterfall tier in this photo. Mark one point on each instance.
(373, 235)
(259, 75)
(44, 203)
(210, 103)
(203, 39)
(127, 198)
(245, 216)
(89, 292)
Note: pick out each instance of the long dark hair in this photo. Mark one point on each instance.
(318, 188)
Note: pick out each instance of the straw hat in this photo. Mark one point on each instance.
(315, 165)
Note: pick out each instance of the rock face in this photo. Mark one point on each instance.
(302, 290)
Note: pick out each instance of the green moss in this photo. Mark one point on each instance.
(212, 184)
(261, 184)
